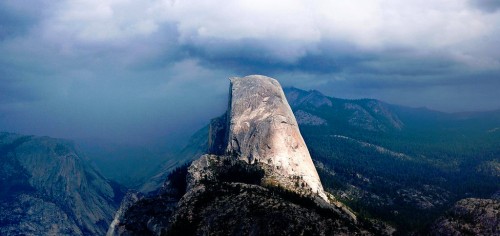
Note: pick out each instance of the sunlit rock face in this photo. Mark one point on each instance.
(257, 178)
(263, 129)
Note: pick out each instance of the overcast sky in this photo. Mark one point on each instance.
(129, 70)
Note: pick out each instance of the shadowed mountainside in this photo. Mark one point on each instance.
(49, 188)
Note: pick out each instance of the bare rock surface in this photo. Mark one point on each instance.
(262, 128)
(470, 216)
(257, 179)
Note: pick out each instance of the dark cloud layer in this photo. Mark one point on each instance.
(133, 71)
(486, 5)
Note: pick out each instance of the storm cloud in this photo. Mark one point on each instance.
(135, 71)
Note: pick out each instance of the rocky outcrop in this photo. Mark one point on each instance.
(224, 197)
(49, 189)
(470, 216)
(258, 179)
(262, 128)
(130, 198)
(150, 214)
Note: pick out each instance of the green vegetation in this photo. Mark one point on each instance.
(240, 172)
(406, 176)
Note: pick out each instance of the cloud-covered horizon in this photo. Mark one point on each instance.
(133, 70)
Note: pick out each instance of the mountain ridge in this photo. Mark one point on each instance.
(49, 187)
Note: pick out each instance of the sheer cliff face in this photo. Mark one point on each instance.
(260, 127)
(257, 179)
